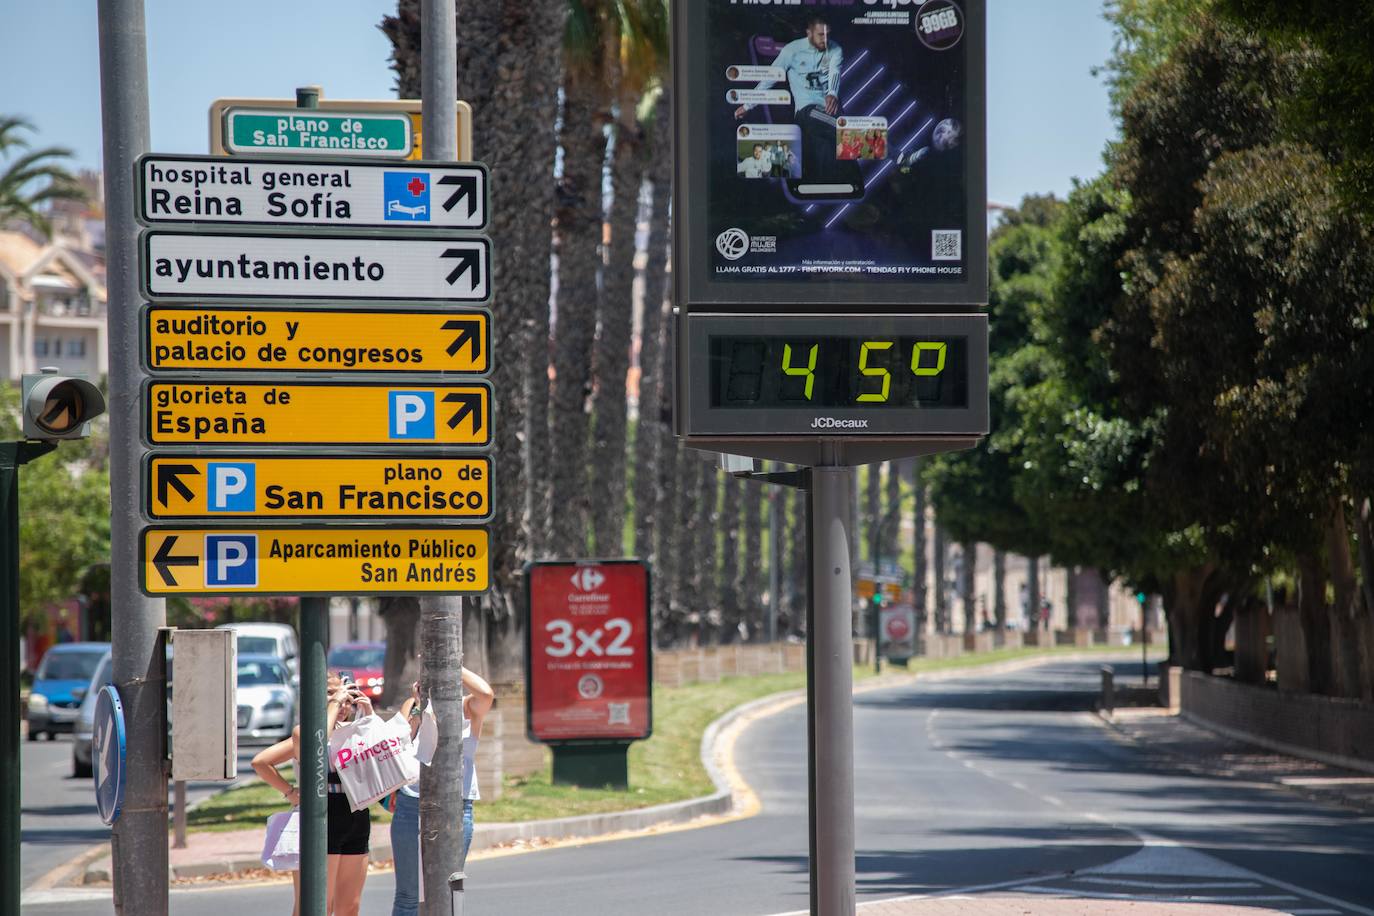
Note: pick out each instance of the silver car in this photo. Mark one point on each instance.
(85, 718)
(266, 701)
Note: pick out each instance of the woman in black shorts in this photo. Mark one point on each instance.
(349, 831)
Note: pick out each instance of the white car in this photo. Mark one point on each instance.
(267, 639)
(266, 702)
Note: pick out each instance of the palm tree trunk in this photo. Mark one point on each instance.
(706, 527)
(968, 572)
(794, 547)
(999, 588)
(651, 443)
(732, 609)
(578, 232)
(614, 330)
(509, 58)
(938, 570)
(920, 569)
(748, 586)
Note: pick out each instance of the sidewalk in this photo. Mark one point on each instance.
(1020, 905)
(1172, 742)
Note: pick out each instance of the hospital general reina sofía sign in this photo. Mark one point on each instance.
(293, 192)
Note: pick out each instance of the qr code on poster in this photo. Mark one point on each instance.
(618, 713)
(947, 245)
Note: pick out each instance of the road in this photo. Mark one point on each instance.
(58, 818)
(988, 781)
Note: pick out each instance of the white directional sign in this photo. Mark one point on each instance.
(287, 192)
(264, 265)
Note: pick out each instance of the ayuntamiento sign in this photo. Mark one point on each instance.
(247, 265)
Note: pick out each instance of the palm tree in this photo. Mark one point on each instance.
(640, 67)
(32, 178)
(590, 49)
(509, 57)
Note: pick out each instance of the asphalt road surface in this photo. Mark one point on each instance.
(990, 781)
(57, 818)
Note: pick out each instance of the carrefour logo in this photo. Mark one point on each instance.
(587, 579)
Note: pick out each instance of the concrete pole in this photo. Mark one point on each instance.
(140, 835)
(832, 493)
(441, 618)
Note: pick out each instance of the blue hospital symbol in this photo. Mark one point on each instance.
(406, 195)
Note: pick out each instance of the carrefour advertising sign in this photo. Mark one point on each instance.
(835, 148)
(588, 651)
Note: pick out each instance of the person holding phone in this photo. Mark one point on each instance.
(405, 803)
(348, 832)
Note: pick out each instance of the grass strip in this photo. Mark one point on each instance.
(665, 768)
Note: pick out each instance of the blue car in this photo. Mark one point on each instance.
(59, 686)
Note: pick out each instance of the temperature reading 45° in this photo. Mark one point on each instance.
(567, 640)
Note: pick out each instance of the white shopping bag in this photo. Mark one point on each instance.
(373, 757)
(427, 738)
(281, 849)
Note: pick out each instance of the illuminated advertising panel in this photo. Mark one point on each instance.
(589, 651)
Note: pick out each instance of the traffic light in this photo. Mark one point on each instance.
(59, 406)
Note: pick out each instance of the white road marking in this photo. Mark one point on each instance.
(1171, 885)
(1156, 898)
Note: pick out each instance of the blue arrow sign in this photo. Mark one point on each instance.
(109, 753)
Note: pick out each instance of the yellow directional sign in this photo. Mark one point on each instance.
(308, 486)
(317, 413)
(315, 340)
(306, 561)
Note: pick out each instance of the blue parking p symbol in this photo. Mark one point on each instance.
(231, 486)
(231, 560)
(411, 414)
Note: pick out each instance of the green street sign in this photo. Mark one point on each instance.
(296, 132)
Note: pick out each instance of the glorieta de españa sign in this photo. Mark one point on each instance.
(314, 561)
(317, 413)
(246, 265)
(319, 133)
(274, 192)
(235, 339)
(283, 487)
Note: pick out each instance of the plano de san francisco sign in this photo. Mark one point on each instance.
(318, 133)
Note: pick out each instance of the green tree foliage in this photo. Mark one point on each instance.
(1333, 106)
(973, 491)
(32, 178)
(64, 516)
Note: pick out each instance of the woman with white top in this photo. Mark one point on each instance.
(405, 817)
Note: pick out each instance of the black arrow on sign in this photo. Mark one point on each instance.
(472, 406)
(467, 187)
(169, 475)
(471, 333)
(163, 561)
(468, 259)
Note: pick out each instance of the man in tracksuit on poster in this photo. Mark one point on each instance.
(812, 65)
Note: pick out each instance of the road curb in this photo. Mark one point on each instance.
(729, 799)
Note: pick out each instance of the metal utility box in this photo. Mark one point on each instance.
(204, 705)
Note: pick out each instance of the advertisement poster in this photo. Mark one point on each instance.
(837, 142)
(588, 672)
